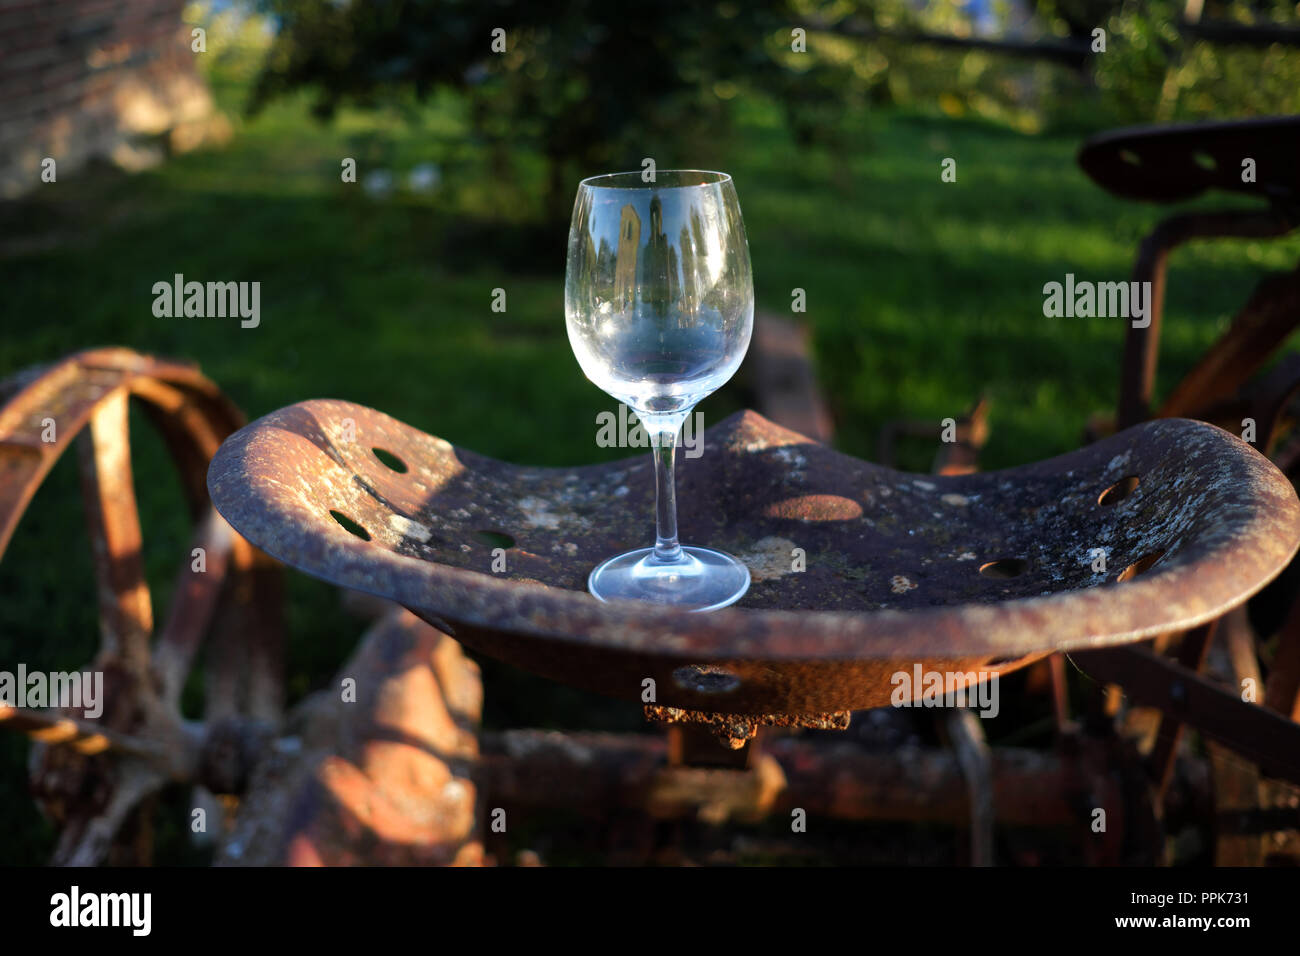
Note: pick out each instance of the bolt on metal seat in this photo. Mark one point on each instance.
(963, 573)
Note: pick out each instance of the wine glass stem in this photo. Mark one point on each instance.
(667, 550)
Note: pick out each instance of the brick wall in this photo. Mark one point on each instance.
(95, 78)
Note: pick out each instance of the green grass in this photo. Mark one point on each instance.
(921, 295)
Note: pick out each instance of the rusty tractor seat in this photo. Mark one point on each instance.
(1174, 163)
(957, 573)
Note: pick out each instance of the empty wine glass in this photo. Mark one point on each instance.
(659, 304)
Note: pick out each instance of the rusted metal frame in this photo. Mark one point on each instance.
(1235, 785)
(966, 737)
(91, 391)
(258, 620)
(194, 418)
(68, 391)
(204, 745)
(691, 745)
(245, 661)
(63, 397)
(1148, 679)
(83, 736)
(1191, 654)
(1282, 690)
(594, 774)
(961, 457)
(733, 730)
(193, 425)
(1102, 773)
(1256, 332)
(125, 608)
(193, 422)
(1265, 402)
(1240, 645)
(86, 837)
(126, 623)
(193, 607)
(193, 432)
(1141, 345)
(389, 778)
(1275, 407)
(1060, 693)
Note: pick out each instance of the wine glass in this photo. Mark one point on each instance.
(659, 304)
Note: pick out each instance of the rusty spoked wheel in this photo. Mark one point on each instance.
(93, 776)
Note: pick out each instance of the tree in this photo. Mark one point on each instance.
(574, 79)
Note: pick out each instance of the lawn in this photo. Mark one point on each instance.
(921, 295)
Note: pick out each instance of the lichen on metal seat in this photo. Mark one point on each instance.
(957, 573)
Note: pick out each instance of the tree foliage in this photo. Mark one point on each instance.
(585, 84)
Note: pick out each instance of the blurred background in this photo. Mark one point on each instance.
(209, 139)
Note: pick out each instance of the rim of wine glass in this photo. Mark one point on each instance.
(638, 184)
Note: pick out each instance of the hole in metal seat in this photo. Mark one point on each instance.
(497, 539)
(390, 460)
(1141, 565)
(1118, 491)
(1005, 568)
(347, 524)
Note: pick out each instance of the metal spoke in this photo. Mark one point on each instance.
(83, 736)
(193, 606)
(125, 607)
(87, 838)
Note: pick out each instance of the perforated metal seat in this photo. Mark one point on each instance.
(958, 573)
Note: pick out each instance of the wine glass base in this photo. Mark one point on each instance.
(703, 580)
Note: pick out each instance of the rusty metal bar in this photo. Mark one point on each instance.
(1265, 401)
(976, 761)
(86, 737)
(1282, 691)
(1141, 345)
(125, 608)
(194, 604)
(594, 774)
(1191, 654)
(1060, 691)
(1258, 734)
(1256, 332)
(961, 457)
